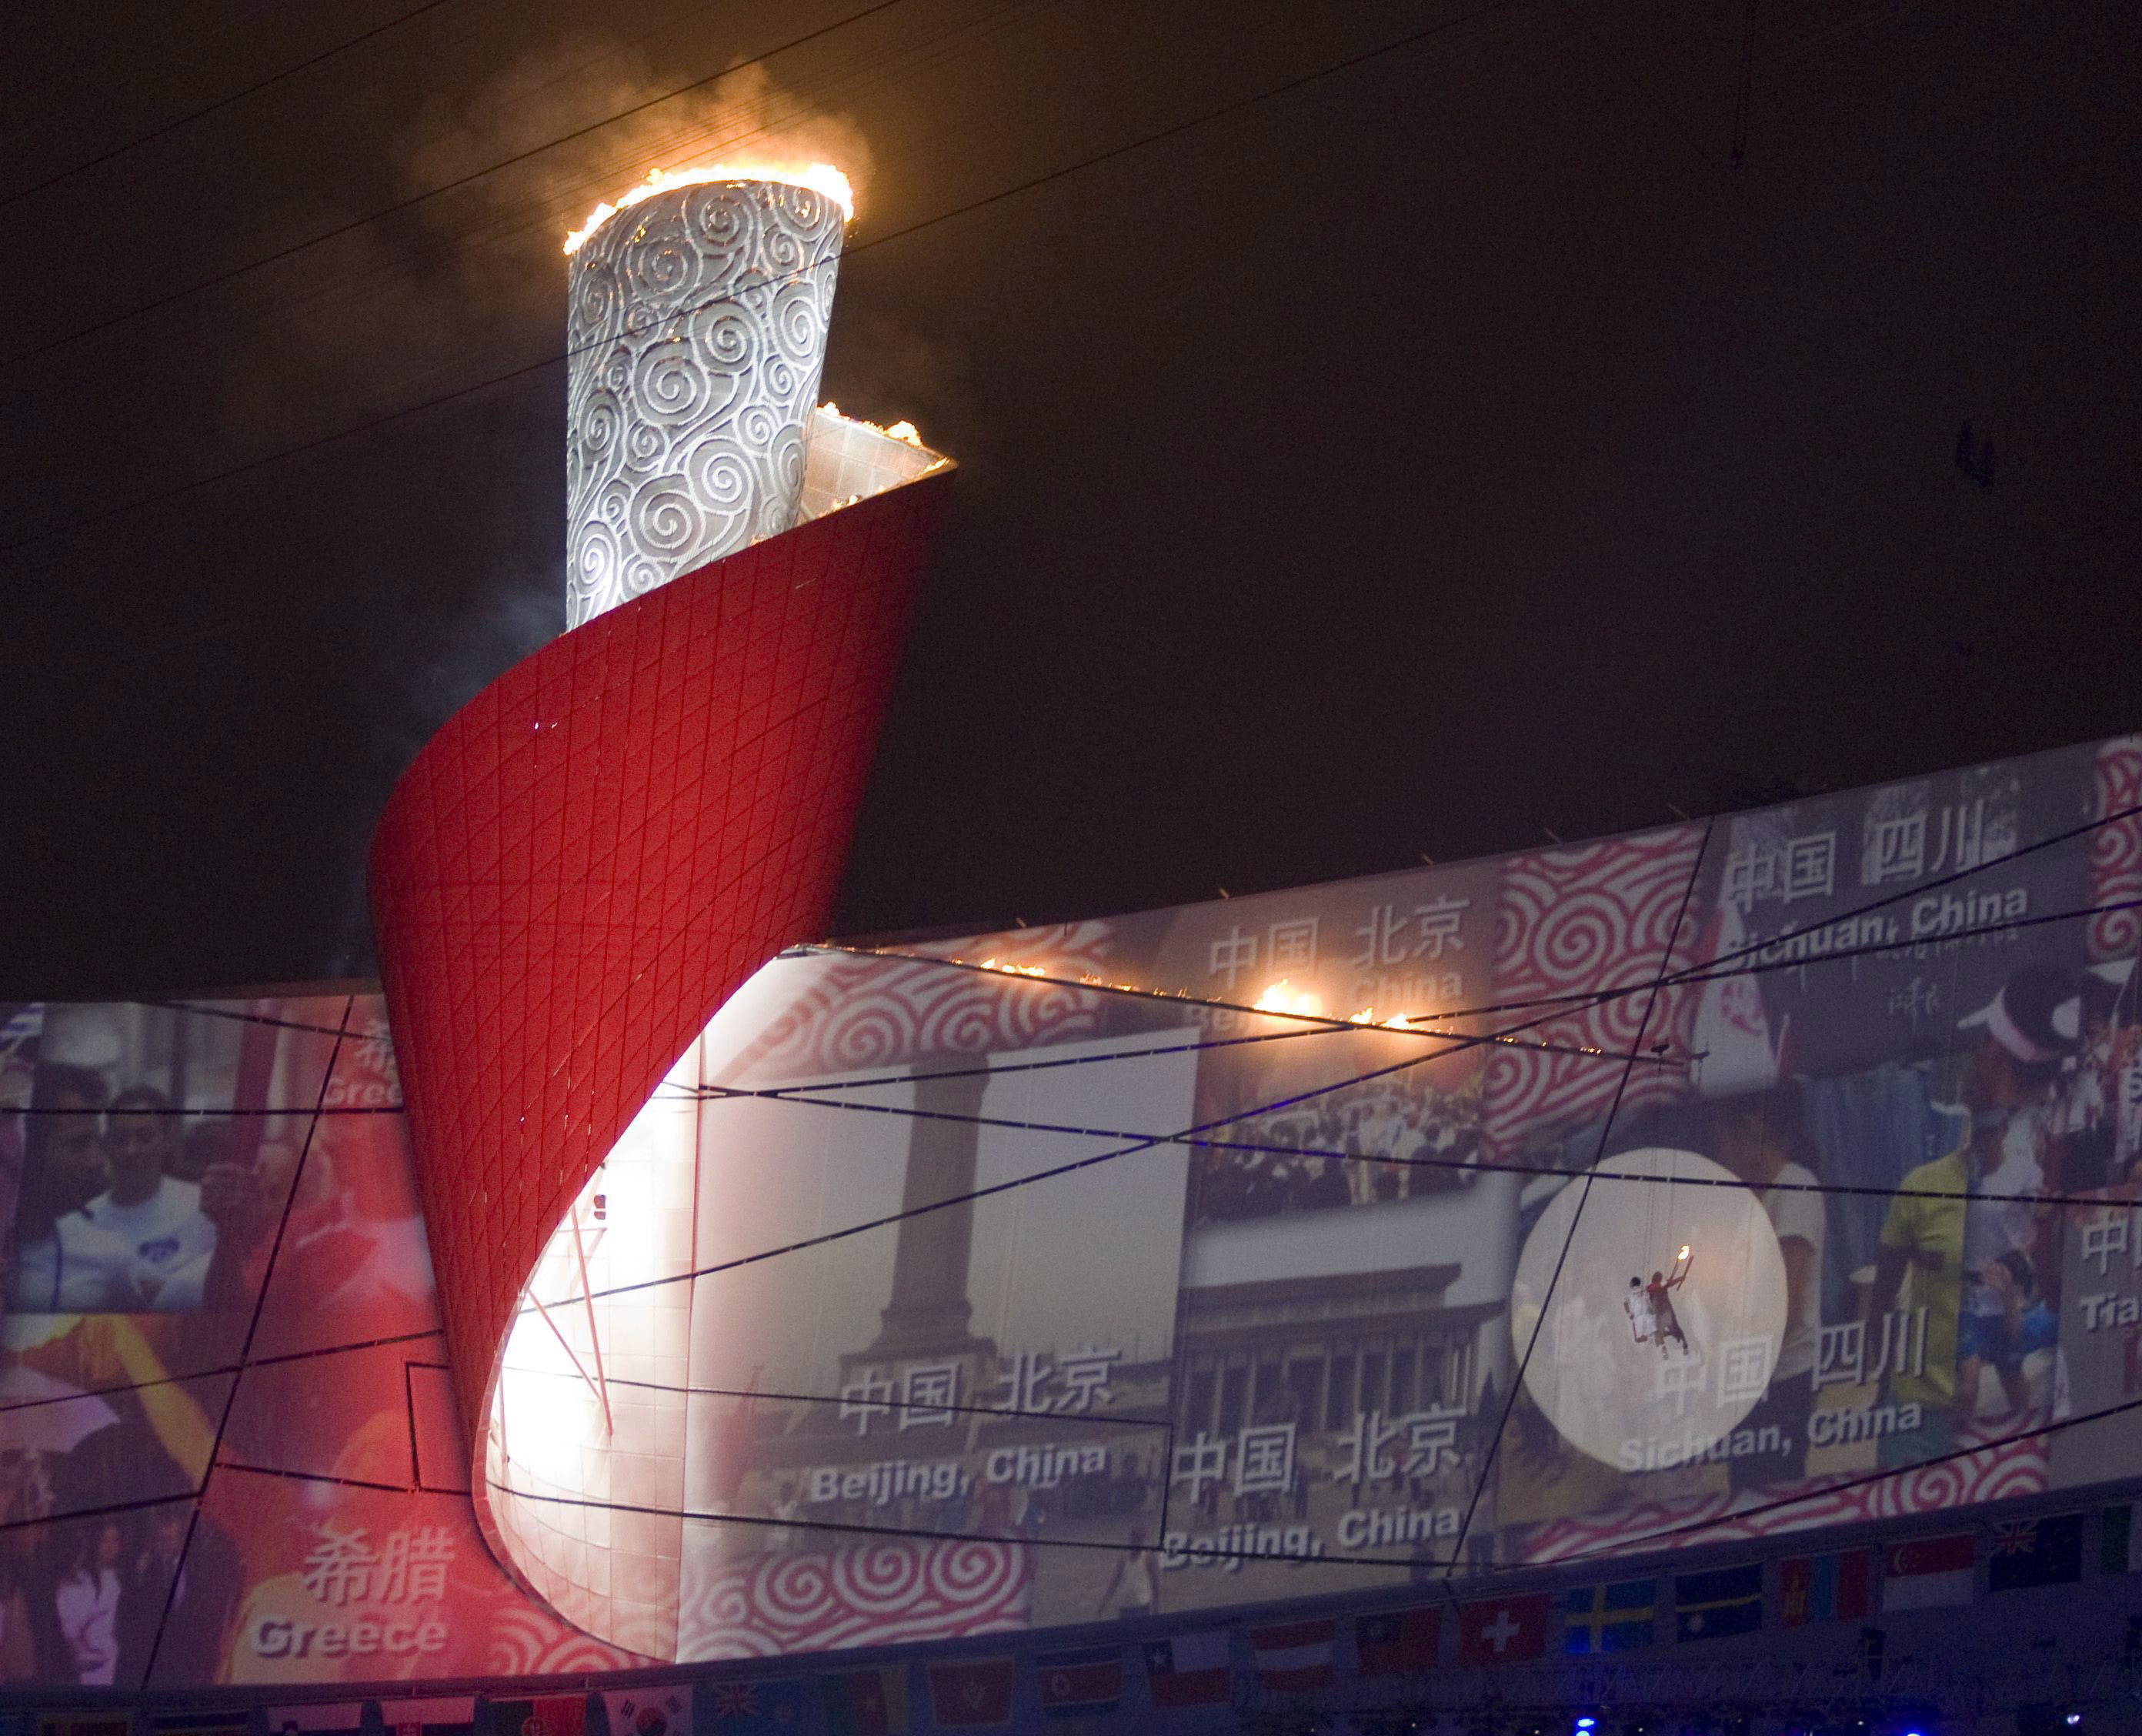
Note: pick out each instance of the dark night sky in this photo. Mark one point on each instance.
(1450, 449)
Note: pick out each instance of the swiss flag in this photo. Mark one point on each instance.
(977, 1692)
(1502, 1630)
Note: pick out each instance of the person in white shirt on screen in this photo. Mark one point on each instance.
(150, 1243)
(1761, 1139)
(143, 1243)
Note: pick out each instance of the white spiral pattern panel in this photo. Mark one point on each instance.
(697, 336)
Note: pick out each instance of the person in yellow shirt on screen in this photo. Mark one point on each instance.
(1939, 1252)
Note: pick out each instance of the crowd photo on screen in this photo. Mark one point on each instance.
(126, 1197)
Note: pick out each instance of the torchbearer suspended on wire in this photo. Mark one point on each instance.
(1658, 1295)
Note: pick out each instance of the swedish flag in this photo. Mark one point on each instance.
(1616, 1618)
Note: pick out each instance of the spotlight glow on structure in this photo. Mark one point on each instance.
(694, 430)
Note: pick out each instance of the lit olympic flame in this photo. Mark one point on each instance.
(906, 433)
(1684, 1250)
(1282, 997)
(1012, 970)
(820, 177)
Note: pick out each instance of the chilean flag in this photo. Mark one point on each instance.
(1295, 1657)
(1191, 1669)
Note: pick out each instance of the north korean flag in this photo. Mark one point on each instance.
(1502, 1630)
(1085, 1683)
(1191, 1669)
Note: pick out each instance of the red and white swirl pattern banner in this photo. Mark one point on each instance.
(2115, 850)
(1996, 1472)
(1575, 922)
(886, 1009)
(884, 1592)
(529, 1642)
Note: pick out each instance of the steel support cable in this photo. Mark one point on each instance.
(1114, 1419)
(299, 448)
(839, 24)
(221, 102)
(1620, 1548)
(195, 1009)
(846, 83)
(1318, 1027)
(179, 1113)
(1403, 1024)
(1576, 1218)
(176, 1380)
(1314, 1025)
(1624, 1547)
(1687, 1527)
(1850, 1191)
(340, 1482)
(1631, 1546)
(245, 1345)
(788, 1095)
(431, 193)
(679, 1094)
(1455, 1043)
(1322, 1028)
(1579, 999)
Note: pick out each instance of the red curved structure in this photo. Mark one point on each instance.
(595, 851)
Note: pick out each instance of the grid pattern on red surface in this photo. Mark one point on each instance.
(598, 849)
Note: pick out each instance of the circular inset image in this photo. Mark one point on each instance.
(1665, 1322)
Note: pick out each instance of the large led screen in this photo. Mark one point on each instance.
(1729, 1179)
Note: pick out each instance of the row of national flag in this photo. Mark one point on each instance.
(1089, 1684)
(664, 1709)
(1845, 1584)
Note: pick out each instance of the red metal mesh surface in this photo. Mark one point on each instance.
(601, 847)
